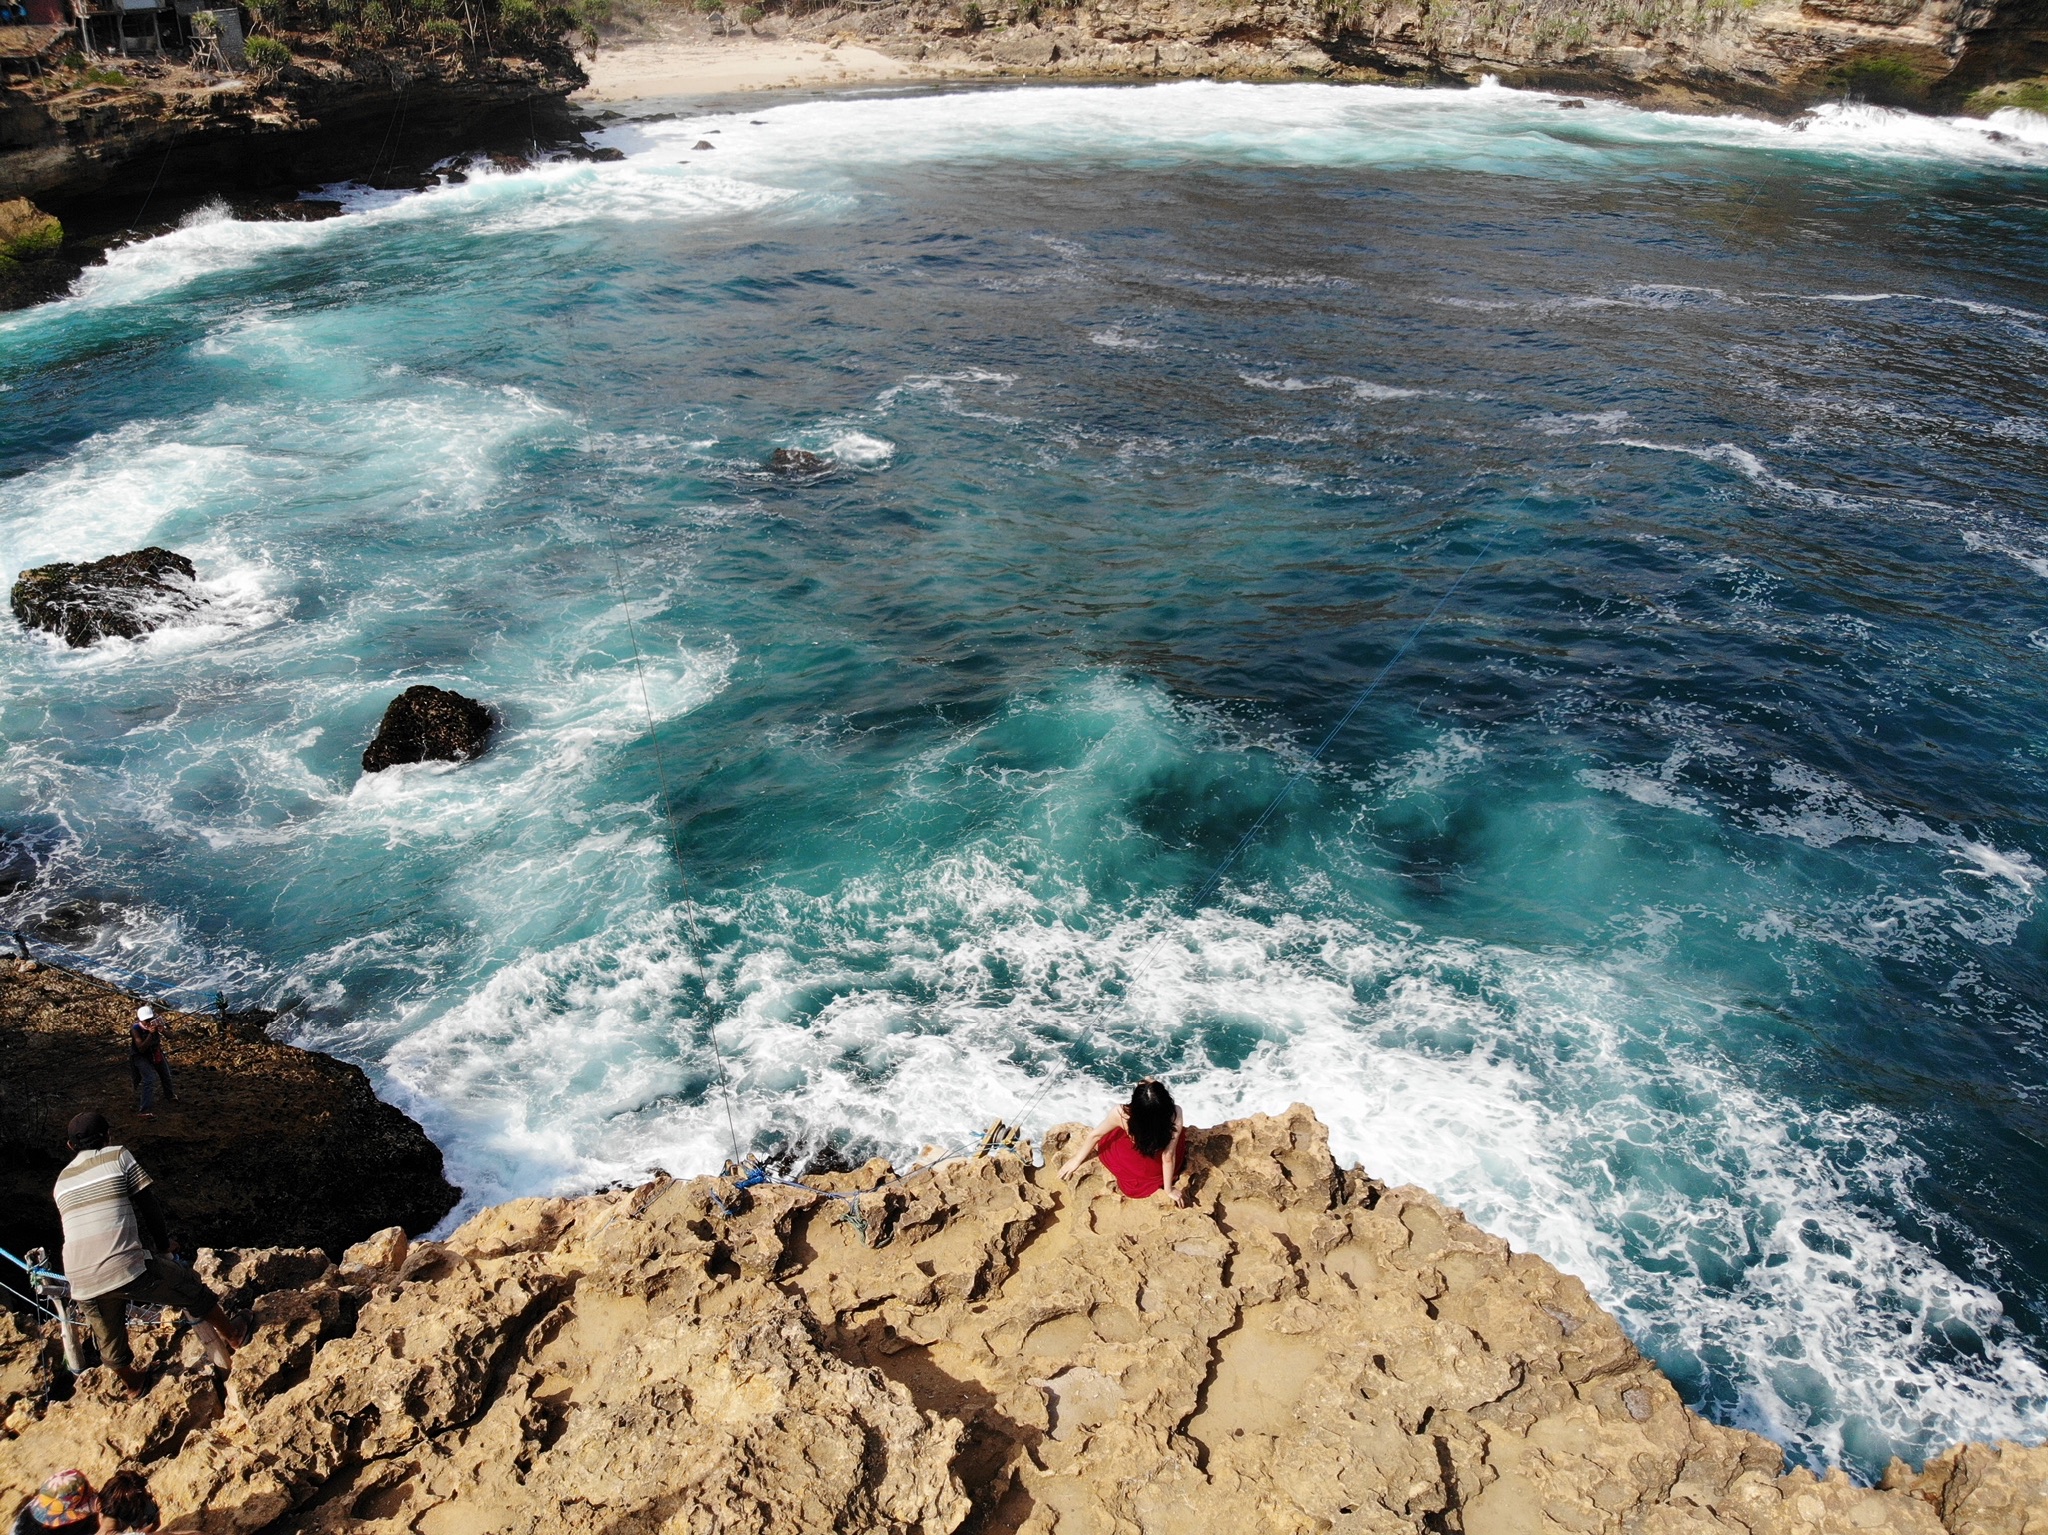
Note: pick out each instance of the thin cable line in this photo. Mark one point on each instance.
(151, 194)
(1251, 832)
(675, 839)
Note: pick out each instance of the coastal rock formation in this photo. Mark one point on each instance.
(797, 461)
(1775, 55)
(267, 1144)
(124, 594)
(973, 1347)
(72, 141)
(428, 724)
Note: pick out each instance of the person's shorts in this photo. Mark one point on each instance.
(161, 1283)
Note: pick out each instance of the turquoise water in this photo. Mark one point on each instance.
(1674, 906)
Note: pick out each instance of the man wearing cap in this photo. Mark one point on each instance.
(104, 1198)
(146, 1063)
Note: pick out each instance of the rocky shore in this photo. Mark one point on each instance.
(975, 1347)
(267, 1145)
(1773, 56)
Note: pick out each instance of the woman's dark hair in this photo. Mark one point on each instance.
(126, 1500)
(1150, 1118)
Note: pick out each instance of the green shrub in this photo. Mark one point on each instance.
(2027, 95)
(971, 18)
(1881, 80)
(266, 56)
(750, 14)
(441, 31)
(74, 60)
(29, 236)
(97, 76)
(708, 6)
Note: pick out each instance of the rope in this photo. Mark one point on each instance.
(675, 839)
(154, 184)
(46, 1311)
(1251, 832)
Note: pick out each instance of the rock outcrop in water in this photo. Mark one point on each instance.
(798, 461)
(976, 1348)
(267, 1144)
(125, 594)
(428, 724)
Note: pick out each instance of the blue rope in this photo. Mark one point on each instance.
(29, 1268)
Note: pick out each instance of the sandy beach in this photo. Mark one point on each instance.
(668, 65)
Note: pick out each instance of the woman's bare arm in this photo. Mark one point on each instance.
(1112, 1121)
(1176, 1185)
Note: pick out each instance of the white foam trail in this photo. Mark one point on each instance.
(1494, 1077)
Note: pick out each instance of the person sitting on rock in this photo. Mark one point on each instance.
(126, 1507)
(1143, 1144)
(65, 1502)
(146, 1063)
(104, 1198)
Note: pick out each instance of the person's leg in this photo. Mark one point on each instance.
(144, 1083)
(172, 1284)
(163, 1072)
(107, 1318)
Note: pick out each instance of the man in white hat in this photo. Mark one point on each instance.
(146, 1064)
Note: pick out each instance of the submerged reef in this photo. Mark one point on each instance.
(974, 1347)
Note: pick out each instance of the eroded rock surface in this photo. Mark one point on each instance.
(125, 594)
(976, 1348)
(428, 724)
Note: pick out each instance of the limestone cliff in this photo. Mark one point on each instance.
(1774, 55)
(973, 1348)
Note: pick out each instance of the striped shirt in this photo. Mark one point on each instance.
(102, 1244)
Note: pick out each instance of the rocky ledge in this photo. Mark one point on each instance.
(267, 1143)
(972, 1348)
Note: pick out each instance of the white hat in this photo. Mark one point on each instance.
(145, 1012)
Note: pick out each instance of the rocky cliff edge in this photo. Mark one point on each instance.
(266, 1143)
(974, 1347)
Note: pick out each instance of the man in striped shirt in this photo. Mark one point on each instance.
(105, 1198)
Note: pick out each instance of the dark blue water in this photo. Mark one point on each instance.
(1673, 905)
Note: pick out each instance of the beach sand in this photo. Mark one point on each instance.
(672, 65)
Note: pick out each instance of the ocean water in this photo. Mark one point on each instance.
(1674, 905)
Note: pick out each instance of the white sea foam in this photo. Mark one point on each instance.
(1119, 340)
(1492, 1076)
(812, 153)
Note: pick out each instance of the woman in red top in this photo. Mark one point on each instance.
(1144, 1144)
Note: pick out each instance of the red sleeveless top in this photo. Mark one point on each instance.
(1137, 1174)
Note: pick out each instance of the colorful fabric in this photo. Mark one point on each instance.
(66, 1498)
(102, 1244)
(1138, 1175)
